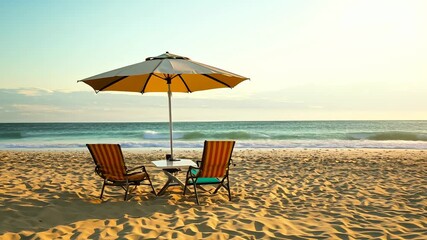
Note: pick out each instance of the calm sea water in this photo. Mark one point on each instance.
(282, 134)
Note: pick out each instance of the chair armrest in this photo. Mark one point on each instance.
(135, 168)
(192, 167)
(198, 162)
(189, 172)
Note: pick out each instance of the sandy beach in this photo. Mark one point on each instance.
(277, 194)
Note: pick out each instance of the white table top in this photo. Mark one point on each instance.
(182, 163)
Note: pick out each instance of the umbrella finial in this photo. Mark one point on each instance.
(167, 55)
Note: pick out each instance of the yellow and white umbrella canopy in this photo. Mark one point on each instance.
(164, 73)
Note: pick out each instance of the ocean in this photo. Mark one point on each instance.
(266, 134)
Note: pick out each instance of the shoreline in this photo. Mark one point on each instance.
(276, 193)
(132, 149)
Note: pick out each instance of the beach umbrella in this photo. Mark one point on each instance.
(164, 73)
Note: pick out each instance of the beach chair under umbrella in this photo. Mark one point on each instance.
(164, 73)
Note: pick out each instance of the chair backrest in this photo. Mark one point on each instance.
(109, 160)
(216, 158)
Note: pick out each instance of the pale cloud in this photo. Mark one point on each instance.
(301, 102)
(34, 108)
(34, 92)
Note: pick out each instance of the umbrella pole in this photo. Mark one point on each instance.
(170, 121)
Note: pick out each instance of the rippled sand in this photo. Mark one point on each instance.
(297, 194)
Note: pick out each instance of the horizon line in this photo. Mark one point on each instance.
(208, 121)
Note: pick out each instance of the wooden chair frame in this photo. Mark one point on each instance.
(126, 177)
(196, 175)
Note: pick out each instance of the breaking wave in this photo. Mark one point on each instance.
(293, 134)
(388, 136)
(256, 144)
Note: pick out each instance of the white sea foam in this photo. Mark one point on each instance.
(295, 134)
(154, 135)
(240, 144)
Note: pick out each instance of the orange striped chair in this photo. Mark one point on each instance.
(110, 165)
(213, 168)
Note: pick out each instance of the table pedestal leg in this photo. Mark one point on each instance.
(172, 180)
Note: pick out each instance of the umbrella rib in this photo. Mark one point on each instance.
(146, 82)
(149, 76)
(217, 80)
(112, 83)
(180, 77)
(158, 76)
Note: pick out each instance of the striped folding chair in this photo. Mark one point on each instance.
(213, 168)
(110, 165)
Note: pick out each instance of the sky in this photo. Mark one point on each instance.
(306, 60)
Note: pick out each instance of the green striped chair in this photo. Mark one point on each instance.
(110, 165)
(213, 168)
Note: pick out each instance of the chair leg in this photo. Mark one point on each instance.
(187, 177)
(195, 192)
(126, 191)
(217, 188)
(225, 185)
(134, 189)
(185, 186)
(149, 180)
(221, 184)
(102, 190)
(152, 187)
(228, 189)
